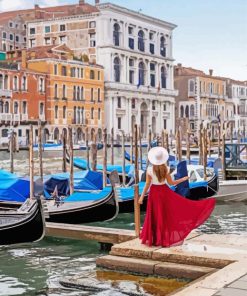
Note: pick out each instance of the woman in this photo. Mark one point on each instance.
(170, 217)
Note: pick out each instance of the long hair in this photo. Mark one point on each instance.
(160, 172)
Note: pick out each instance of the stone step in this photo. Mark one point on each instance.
(153, 267)
(134, 249)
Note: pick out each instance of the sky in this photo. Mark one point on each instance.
(210, 34)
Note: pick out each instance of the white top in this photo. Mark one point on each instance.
(155, 180)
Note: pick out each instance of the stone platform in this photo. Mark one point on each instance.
(218, 263)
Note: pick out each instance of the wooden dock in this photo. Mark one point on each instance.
(82, 232)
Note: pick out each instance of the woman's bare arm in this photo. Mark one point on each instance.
(148, 183)
(175, 182)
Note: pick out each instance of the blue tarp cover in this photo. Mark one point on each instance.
(83, 180)
(13, 188)
(89, 196)
(82, 164)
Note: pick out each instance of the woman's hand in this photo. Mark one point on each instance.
(185, 178)
(140, 201)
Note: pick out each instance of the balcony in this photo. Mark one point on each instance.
(24, 117)
(166, 114)
(42, 117)
(16, 117)
(120, 111)
(5, 117)
(6, 93)
(144, 89)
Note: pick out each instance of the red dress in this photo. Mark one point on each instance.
(171, 217)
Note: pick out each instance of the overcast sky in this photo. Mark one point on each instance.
(210, 33)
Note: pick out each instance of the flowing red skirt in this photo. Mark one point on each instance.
(171, 217)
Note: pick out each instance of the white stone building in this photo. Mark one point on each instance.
(136, 53)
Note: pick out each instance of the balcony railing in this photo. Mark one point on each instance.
(142, 88)
(5, 117)
(6, 93)
(16, 117)
(24, 117)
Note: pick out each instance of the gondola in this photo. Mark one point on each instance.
(23, 225)
(84, 207)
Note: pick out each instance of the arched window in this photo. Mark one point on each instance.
(1, 82)
(6, 108)
(82, 93)
(163, 77)
(74, 115)
(182, 111)
(16, 108)
(64, 112)
(116, 34)
(162, 46)
(1, 106)
(92, 95)
(64, 91)
(187, 111)
(74, 93)
(99, 114)
(78, 93)
(192, 86)
(192, 111)
(141, 44)
(92, 76)
(141, 74)
(24, 83)
(15, 83)
(82, 115)
(6, 82)
(56, 91)
(99, 95)
(78, 115)
(92, 113)
(41, 108)
(117, 67)
(56, 112)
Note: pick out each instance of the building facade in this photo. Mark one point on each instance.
(202, 99)
(22, 101)
(237, 91)
(136, 52)
(74, 91)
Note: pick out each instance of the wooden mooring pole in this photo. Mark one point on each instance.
(136, 204)
(64, 168)
(223, 157)
(131, 148)
(87, 148)
(188, 141)
(200, 141)
(140, 144)
(219, 139)
(11, 151)
(205, 153)
(105, 157)
(31, 162)
(94, 153)
(40, 152)
(112, 146)
(71, 162)
(123, 159)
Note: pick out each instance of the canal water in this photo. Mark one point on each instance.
(35, 269)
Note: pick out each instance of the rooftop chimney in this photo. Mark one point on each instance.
(36, 6)
(179, 65)
(96, 2)
(81, 2)
(211, 72)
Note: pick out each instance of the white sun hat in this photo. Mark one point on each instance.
(158, 155)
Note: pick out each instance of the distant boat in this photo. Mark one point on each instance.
(52, 145)
(84, 207)
(232, 190)
(23, 225)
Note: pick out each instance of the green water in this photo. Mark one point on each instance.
(35, 269)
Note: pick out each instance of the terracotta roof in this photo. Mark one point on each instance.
(48, 12)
